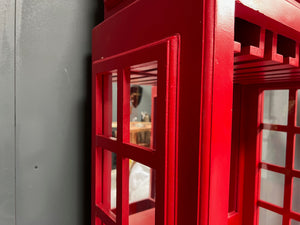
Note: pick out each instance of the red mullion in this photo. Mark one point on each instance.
(295, 173)
(96, 170)
(137, 153)
(271, 207)
(289, 157)
(258, 152)
(123, 136)
(161, 140)
(274, 168)
(274, 127)
(295, 216)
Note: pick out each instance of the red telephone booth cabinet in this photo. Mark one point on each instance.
(195, 116)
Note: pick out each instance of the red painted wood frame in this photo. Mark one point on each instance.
(247, 145)
(288, 170)
(205, 29)
(162, 158)
(247, 108)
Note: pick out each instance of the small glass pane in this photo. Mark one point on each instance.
(143, 95)
(113, 194)
(295, 222)
(273, 147)
(109, 180)
(297, 153)
(298, 108)
(114, 105)
(141, 194)
(296, 195)
(276, 106)
(109, 98)
(267, 217)
(272, 187)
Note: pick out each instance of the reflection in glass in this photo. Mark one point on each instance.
(267, 217)
(114, 105)
(113, 194)
(276, 106)
(298, 108)
(295, 222)
(274, 147)
(141, 193)
(143, 94)
(297, 153)
(109, 180)
(296, 195)
(272, 187)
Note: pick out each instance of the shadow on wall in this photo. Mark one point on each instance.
(99, 17)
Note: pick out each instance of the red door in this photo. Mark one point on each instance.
(140, 187)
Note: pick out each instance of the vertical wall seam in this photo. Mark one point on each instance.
(15, 111)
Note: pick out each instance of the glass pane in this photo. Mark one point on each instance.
(298, 108)
(113, 194)
(109, 180)
(276, 106)
(114, 105)
(272, 187)
(109, 87)
(297, 153)
(143, 95)
(296, 195)
(295, 222)
(274, 147)
(141, 194)
(267, 217)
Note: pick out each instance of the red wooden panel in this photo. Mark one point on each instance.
(235, 212)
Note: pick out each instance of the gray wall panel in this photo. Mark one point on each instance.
(7, 149)
(53, 48)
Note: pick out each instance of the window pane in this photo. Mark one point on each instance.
(143, 95)
(109, 180)
(113, 194)
(114, 105)
(296, 195)
(272, 187)
(141, 194)
(298, 107)
(295, 222)
(274, 147)
(267, 217)
(276, 106)
(297, 153)
(109, 98)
